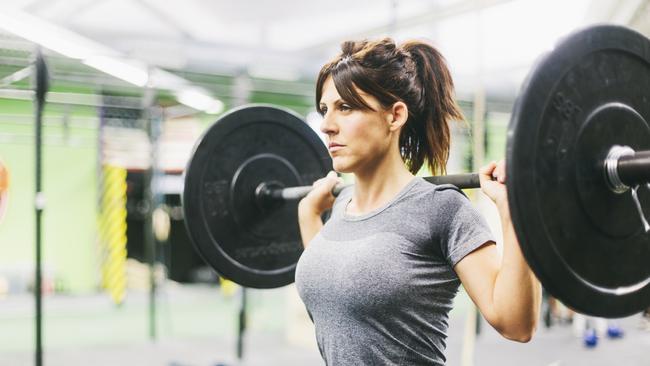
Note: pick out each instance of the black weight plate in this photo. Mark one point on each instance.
(253, 245)
(585, 243)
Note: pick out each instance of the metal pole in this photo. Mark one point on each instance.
(39, 198)
(153, 129)
(150, 249)
(242, 325)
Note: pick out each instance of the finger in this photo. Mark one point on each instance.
(486, 171)
(318, 182)
(485, 175)
(501, 171)
(324, 186)
(330, 175)
(332, 180)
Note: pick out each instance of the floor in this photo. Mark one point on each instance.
(196, 325)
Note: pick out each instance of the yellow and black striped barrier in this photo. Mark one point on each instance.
(112, 231)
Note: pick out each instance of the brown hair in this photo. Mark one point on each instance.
(414, 73)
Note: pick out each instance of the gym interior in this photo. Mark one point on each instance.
(107, 249)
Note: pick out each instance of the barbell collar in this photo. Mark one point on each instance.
(625, 168)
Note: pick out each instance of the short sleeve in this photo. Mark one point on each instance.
(464, 229)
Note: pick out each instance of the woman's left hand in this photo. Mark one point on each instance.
(493, 179)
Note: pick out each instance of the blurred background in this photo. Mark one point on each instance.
(132, 79)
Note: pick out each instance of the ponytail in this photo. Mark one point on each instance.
(428, 136)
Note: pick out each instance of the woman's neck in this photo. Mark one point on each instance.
(377, 185)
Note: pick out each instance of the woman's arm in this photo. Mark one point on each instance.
(312, 206)
(504, 289)
(310, 223)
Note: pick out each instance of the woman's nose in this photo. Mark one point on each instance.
(328, 126)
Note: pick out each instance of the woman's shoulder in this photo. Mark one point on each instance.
(438, 191)
(445, 197)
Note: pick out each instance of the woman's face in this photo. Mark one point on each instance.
(357, 139)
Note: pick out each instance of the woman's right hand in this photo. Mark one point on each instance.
(320, 198)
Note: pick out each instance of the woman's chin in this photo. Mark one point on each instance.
(340, 166)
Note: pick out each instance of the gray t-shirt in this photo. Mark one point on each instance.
(379, 286)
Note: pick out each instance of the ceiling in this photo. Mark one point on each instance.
(280, 45)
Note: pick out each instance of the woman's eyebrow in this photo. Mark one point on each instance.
(335, 102)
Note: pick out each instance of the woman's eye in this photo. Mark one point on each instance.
(345, 107)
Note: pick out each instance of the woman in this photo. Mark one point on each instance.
(379, 278)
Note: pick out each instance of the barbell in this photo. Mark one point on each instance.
(578, 167)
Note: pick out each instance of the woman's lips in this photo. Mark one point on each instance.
(333, 147)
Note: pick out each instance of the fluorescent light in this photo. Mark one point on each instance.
(197, 99)
(166, 80)
(121, 69)
(273, 72)
(105, 59)
(50, 36)
(70, 44)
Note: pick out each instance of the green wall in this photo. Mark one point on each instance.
(70, 188)
(69, 242)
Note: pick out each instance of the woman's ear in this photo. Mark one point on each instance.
(398, 115)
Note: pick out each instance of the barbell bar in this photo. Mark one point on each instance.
(266, 191)
(619, 171)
